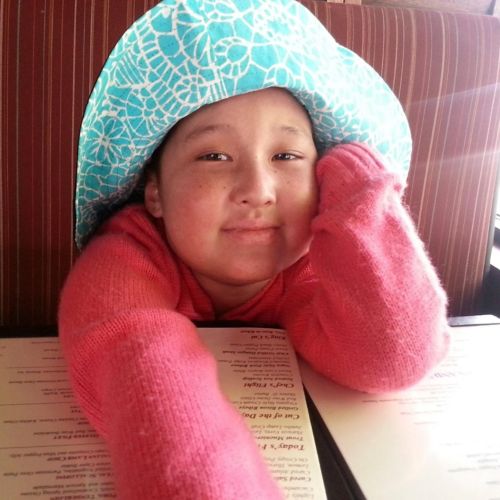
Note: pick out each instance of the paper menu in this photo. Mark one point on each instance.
(47, 448)
(49, 451)
(439, 440)
(259, 374)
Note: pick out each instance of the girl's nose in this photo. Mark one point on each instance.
(256, 185)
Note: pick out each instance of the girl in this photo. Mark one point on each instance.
(222, 109)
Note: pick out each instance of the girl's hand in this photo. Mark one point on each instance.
(354, 177)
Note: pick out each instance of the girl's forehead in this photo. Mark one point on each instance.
(267, 104)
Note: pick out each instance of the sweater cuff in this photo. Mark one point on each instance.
(352, 174)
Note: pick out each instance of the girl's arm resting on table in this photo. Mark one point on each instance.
(377, 317)
(150, 388)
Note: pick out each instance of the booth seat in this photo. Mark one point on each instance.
(444, 67)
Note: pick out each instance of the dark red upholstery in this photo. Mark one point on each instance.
(445, 68)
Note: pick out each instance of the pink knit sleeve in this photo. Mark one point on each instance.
(149, 386)
(376, 321)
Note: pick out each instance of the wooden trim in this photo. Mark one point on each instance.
(468, 6)
(352, 2)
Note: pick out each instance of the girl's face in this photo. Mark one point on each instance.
(236, 191)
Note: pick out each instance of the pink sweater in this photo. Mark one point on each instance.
(365, 308)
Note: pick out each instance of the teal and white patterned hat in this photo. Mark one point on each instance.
(183, 54)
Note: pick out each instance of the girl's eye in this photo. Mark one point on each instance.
(285, 157)
(214, 157)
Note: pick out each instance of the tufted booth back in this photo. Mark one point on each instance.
(445, 68)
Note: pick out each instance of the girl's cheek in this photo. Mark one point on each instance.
(304, 190)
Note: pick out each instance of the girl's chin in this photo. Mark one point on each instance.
(242, 280)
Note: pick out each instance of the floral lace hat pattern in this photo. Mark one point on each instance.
(184, 54)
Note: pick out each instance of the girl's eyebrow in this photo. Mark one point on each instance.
(225, 127)
(292, 129)
(206, 129)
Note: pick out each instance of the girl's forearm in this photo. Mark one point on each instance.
(377, 319)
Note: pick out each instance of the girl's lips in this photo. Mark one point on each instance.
(252, 233)
(249, 225)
